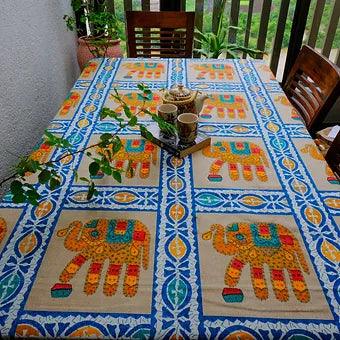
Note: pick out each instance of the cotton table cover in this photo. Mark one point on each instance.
(237, 241)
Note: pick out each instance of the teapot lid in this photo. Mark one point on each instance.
(179, 92)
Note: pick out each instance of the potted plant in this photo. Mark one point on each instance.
(213, 45)
(104, 31)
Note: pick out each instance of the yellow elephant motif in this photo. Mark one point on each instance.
(214, 71)
(146, 70)
(132, 153)
(284, 101)
(246, 154)
(135, 102)
(315, 153)
(3, 228)
(117, 241)
(40, 154)
(234, 106)
(261, 244)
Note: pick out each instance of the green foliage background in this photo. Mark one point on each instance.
(207, 19)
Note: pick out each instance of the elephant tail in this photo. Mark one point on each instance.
(154, 155)
(264, 159)
(301, 259)
(146, 250)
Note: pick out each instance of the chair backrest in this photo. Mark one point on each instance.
(160, 34)
(333, 155)
(313, 85)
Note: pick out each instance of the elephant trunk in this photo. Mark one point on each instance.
(219, 242)
(72, 232)
(264, 158)
(154, 155)
(207, 152)
(146, 250)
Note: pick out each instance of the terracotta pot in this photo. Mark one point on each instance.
(84, 54)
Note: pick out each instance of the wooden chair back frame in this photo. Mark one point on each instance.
(173, 39)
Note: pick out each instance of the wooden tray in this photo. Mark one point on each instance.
(173, 145)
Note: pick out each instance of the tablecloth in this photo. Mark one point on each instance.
(237, 241)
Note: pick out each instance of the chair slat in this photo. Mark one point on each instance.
(320, 5)
(333, 24)
(280, 30)
(145, 5)
(313, 86)
(261, 41)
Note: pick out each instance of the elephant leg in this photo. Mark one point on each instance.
(112, 279)
(140, 74)
(144, 171)
(241, 113)
(131, 280)
(299, 285)
(233, 171)
(201, 75)
(233, 272)
(119, 165)
(220, 112)
(220, 75)
(247, 173)
(207, 111)
(212, 75)
(72, 268)
(215, 168)
(231, 113)
(259, 283)
(279, 284)
(157, 74)
(261, 173)
(149, 74)
(92, 278)
(130, 172)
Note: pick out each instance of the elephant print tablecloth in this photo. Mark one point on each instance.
(237, 241)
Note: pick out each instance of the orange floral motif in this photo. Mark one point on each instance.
(261, 244)
(246, 154)
(148, 70)
(315, 153)
(3, 228)
(118, 241)
(134, 152)
(234, 106)
(214, 71)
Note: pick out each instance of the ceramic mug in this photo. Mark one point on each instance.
(187, 125)
(168, 112)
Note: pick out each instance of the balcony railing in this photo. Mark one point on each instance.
(293, 21)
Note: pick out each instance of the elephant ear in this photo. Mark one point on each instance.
(207, 235)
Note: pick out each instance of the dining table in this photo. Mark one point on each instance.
(239, 240)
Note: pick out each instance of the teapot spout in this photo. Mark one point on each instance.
(199, 101)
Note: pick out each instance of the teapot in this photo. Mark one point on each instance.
(185, 99)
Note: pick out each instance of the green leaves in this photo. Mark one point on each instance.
(24, 192)
(59, 142)
(44, 176)
(94, 168)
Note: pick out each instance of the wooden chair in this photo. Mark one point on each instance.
(313, 85)
(160, 34)
(333, 155)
